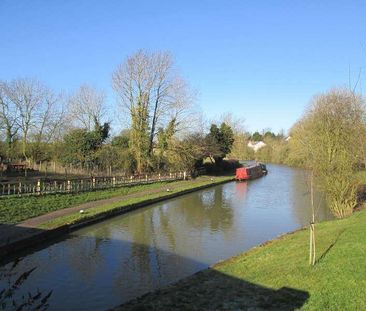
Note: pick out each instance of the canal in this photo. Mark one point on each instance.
(106, 264)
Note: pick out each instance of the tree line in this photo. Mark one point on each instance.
(161, 127)
(330, 140)
(163, 130)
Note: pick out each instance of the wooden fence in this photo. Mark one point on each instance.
(42, 187)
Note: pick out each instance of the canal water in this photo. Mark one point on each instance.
(108, 263)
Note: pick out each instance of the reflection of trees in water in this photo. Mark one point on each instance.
(167, 228)
(300, 184)
(144, 260)
(207, 209)
(85, 255)
(13, 296)
(161, 227)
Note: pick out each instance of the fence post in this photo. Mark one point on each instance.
(114, 181)
(184, 175)
(20, 188)
(93, 183)
(68, 186)
(38, 189)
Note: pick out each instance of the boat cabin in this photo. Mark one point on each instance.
(250, 172)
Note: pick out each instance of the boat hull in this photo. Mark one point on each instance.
(250, 172)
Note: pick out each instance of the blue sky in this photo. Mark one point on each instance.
(260, 60)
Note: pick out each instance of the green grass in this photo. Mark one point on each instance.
(175, 187)
(336, 282)
(16, 209)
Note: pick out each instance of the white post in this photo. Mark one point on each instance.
(38, 187)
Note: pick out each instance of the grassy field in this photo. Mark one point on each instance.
(337, 282)
(16, 209)
(256, 279)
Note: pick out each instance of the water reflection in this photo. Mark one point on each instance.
(301, 194)
(241, 190)
(107, 263)
(209, 209)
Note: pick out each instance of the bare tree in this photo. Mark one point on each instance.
(8, 117)
(149, 87)
(182, 110)
(236, 123)
(50, 118)
(35, 109)
(27, 95)
(86, 107)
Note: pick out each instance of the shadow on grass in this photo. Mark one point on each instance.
(213, 290)
(330, 247)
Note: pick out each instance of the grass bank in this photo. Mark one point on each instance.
(16, 209)
(142, 198)
(256, 279)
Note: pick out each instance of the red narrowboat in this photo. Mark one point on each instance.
(250, 172)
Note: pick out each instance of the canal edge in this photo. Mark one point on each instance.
(32, 239)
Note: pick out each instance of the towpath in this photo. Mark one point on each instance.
(31, 228)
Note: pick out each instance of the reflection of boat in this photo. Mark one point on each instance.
(251, 172)
(241, 190)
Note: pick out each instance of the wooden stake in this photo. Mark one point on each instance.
(312, 253)
(311, 246)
